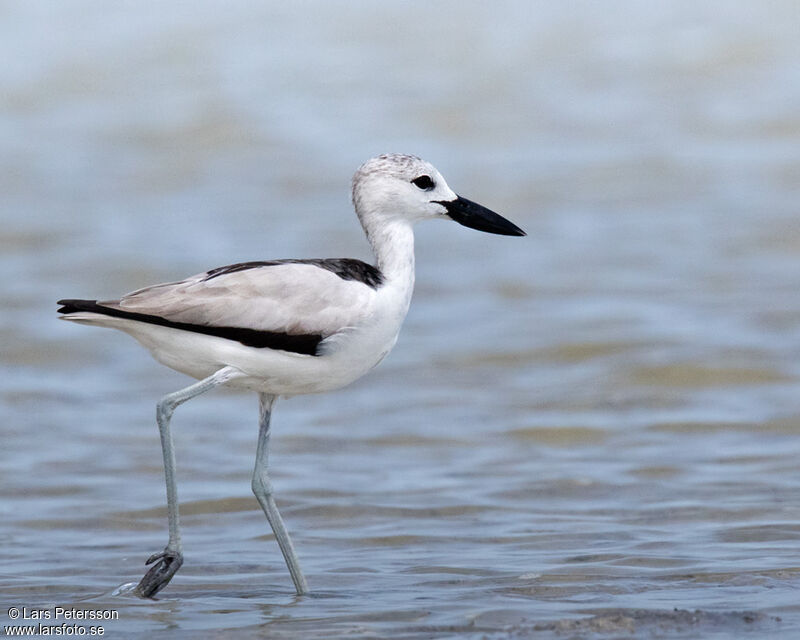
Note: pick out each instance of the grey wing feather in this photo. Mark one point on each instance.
(294, 298)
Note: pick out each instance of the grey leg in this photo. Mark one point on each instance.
(262, 488)
(168, 562)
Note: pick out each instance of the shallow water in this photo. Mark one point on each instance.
(589, 432)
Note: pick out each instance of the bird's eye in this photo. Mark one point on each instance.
(424, 182)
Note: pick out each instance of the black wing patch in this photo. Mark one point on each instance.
(306, 344)
(345, 268)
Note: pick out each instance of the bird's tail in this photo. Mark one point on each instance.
(88, 311)
(74, 306)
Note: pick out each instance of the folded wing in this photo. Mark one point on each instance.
(281, 298)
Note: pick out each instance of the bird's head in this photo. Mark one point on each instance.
(404, 187)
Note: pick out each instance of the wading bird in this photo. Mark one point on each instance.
(287, 327)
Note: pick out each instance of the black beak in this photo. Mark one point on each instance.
(474, 216)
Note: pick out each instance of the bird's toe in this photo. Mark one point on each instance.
(165, 565)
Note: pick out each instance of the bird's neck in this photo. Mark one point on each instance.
(393, 246)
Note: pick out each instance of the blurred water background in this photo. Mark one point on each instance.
(593, 431)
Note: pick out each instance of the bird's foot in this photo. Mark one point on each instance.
(167, 563)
